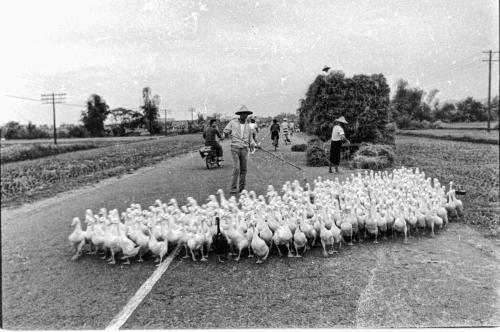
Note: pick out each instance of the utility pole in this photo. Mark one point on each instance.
(490, 60)
(54, 98)
(165, 110)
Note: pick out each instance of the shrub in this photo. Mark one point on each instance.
(425, 124)
(415, 124)
(437, 125)
(315, 141)
(299, 147)
(403, 122)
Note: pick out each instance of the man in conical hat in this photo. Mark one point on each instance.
(242, 138)
(338, 136)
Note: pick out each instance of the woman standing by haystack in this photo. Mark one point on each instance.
(338, 136)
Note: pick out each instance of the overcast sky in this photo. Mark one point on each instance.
(219, 55)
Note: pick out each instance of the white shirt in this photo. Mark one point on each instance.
(285, 126)
(242, 127)
(253, 125)
(337, 133)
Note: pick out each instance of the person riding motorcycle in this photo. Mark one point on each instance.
(209, 135)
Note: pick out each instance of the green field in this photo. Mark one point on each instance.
(471, 135)
(473, 166)
(29, 179)
(19, 150)
(101, 141)
(476, 125)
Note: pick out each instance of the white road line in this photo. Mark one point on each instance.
(141, 293)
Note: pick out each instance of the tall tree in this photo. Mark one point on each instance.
(150, 110)
(93, 119)
(407, 102)
(445, 112)
(471, 110)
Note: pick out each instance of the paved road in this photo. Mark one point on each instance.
(450, 280)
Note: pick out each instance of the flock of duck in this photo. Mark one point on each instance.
(363, 207)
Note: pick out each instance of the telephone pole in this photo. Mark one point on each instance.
(54, 98)
(490, 60)
(165, 110)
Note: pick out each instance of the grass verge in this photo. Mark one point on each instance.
(455, 135)
(22, 152)
(27, 180)
(473, 166)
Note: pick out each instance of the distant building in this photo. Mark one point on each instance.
(160, 119)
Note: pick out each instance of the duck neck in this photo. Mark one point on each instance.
(78, 225)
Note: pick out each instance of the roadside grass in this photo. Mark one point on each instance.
(469, 125)
(19, 152)
(28, 180)
(100, 141)
(462, 135)
(475, 167)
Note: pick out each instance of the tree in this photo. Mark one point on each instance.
(126, 119)
(407, 102)
(32, 132)
(494, 108)
(472, 110)
(77, 131)
(445, 112)
(150, 111)
(14, 130)
(93, 119)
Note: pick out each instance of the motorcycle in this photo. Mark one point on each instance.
(209, 154)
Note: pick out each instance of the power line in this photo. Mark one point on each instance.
(446, 80)
(466, 66)
(24, 98)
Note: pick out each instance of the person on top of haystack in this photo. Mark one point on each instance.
(275, 130)
(209, 135)
(286, 130)
(242, 139)
(338, 136)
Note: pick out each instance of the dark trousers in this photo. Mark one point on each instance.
(240, 156)
(216, 145)
(335, 152)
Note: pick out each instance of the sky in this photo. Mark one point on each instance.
(218, 55)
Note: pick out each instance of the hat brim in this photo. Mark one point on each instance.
(243, 112)
(342, 121)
